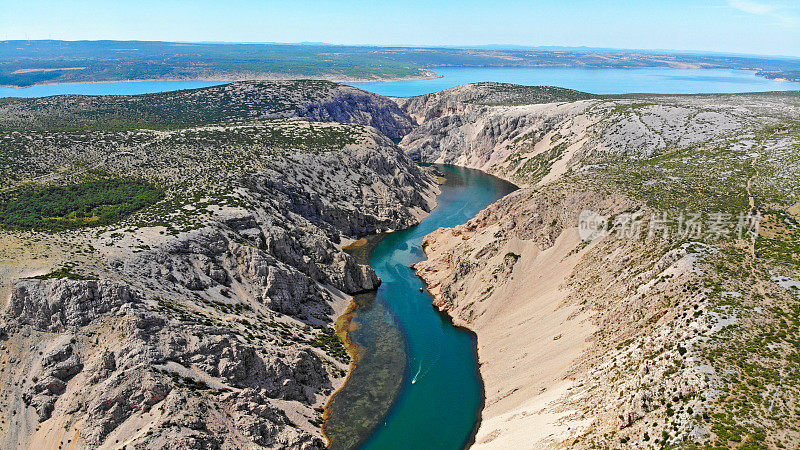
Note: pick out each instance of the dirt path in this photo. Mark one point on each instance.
(752, 202)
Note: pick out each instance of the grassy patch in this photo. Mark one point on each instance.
(90, 203)
(330, 343)
(64, 272)
(538, 166)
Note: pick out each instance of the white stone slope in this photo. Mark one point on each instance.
(523, 142)
(198, 322)
(580, 344)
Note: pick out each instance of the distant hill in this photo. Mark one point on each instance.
(26, 63)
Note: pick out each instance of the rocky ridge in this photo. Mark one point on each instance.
(317, 100)
(644, 335)
(524, 133)
(202, 321)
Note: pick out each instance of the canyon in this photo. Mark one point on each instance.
(205, 319)
(642, 332)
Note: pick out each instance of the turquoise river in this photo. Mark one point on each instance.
(416, 384)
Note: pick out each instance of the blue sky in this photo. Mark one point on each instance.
(743, 26)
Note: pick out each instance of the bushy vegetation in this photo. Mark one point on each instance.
(163, 110)
(684, 179)
(65, 271)
(537, 167)
(90, 203)
(329, 342)
(514, 94)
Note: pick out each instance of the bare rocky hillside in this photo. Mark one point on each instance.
(246, 100)
(640, 290)
(203, 318)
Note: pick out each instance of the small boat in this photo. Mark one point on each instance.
(419, 369)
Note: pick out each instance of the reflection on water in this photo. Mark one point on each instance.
(416, 382)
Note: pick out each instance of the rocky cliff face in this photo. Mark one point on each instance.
(347, 104)
(644, 334)
(574, 338)
(525, 133)
(122, 373)
(202, 321)
(244, 100)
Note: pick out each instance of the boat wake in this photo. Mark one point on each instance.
(419, 369)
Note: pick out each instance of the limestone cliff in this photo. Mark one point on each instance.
(203, 320)
(649, 331)
(530, 134)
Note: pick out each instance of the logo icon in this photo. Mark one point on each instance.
(591, 225)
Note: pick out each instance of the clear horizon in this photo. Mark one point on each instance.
(766, 27)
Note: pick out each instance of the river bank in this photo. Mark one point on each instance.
(416, 379)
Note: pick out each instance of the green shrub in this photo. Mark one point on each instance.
(91, 203)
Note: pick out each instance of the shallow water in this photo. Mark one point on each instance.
(417, 384)
(595, 81)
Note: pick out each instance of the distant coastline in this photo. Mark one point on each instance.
(428, 75)
(33, 63)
